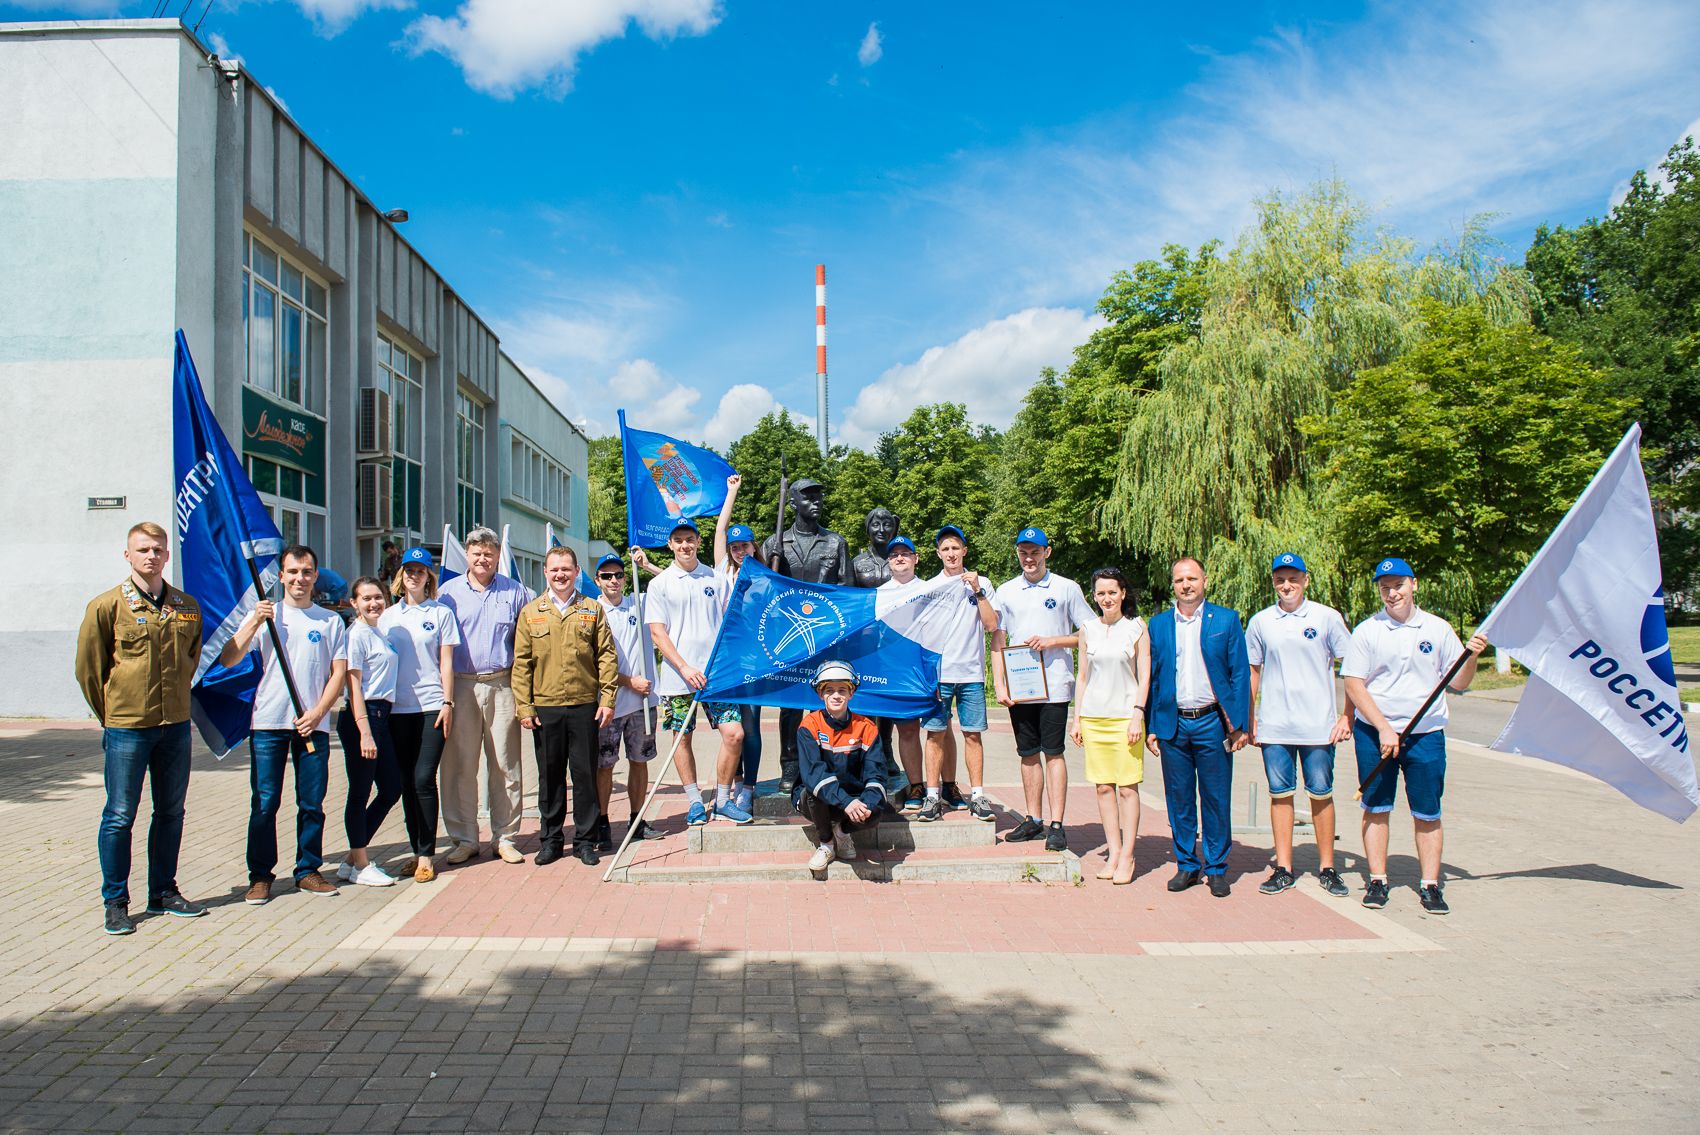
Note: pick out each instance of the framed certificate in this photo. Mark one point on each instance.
(1024, 674)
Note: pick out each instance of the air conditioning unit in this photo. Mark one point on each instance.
(373, 496)
(372, 434)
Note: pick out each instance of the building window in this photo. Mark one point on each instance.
(538, 480)
(295, 499)
(402, 373)
(285, 327)
(469, 460)
(531, 571)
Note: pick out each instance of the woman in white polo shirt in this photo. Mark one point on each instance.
(1109, 715)
(424, 633)
(364, 729)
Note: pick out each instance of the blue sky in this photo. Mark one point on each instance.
(634, 193)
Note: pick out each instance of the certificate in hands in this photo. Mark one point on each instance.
(1024, 674)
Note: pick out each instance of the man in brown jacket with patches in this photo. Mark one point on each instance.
(564, 678)
(137, 652)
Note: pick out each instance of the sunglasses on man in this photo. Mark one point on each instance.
(609, 574)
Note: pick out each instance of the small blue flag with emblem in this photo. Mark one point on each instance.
(221, 524)
(667, 482)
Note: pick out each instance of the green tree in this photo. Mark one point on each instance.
(856, 484)
(1464, 453)
(607, 491)
(1626, 290)
(943, 461)
(756, 457)
(1212, 462)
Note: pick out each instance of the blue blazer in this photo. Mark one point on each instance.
(1223, 640)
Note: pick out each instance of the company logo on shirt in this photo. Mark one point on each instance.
(430, 626)
(1426, 646)
(709, 591)
(1050, 604)
(1310, 632)
(314, 636)
(824, 739)
(632, 619)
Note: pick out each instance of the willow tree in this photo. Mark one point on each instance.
(1213, 462)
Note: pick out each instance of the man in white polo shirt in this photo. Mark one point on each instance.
(684, 610)
(959, 639)
(1396, 658)
(1292, 646)
(634, 703)
(1041, 610)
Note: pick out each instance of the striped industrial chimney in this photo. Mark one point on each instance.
(820, 357)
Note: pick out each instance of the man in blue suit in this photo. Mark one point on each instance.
(1200, 709)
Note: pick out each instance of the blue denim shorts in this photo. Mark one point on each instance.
(970, 699)
(1281, 764)
(1423, 765)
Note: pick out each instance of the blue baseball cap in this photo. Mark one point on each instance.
(740, 534)
(950, 530)
(682, 526)
(1033, 536)
(610, 558)
(1393, 565)
(1288, 560)
(900, 542)
(416, 556)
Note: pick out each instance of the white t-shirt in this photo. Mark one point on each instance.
(957, 635)
(628, 649)
(688, 605)
(1192, 678)
(1052, 607)
(375, 658)
(313, 639)
(1112, 681)
(1402, 663)
(1296, 700)
(418, 632)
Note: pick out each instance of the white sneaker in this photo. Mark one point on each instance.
(346, 872)
(821, 859)
(373, 875)
(844, 846)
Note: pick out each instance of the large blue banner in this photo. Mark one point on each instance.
(777, 631)
(667, 481)
(221, 525)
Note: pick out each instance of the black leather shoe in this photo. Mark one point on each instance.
(1183, 880)
(587, 854)
(604, 835)
(1028, 828)
(1219, 886)
(548, 855)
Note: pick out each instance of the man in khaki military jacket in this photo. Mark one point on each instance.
(565, 671)
(136, 656)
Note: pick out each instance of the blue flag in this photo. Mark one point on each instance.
(221, 525)
(454, 557)
(777, 631)
(667, 481)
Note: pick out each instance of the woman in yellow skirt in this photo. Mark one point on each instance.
(1109, 715)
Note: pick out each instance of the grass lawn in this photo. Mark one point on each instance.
(1685, 644)
(1487, 678)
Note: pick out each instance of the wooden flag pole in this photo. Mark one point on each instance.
(1405, 735)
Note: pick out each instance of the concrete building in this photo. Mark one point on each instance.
(146, 186)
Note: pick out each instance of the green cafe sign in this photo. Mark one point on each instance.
(283, 433)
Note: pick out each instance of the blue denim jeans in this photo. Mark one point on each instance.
(272, 750)
(1197, 779)
(161, 754)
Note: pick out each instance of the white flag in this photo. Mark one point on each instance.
(1587, 618)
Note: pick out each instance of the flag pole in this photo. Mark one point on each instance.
(654, 786)
(277, 649)
(1405, 734)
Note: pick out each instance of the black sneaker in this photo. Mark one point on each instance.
(981, 808)
(952, 796)
(118, 920)
(1375, 894)
(932, 809)
(1332, 883)
(1028, 828)
(645, 830)
(1433, 901)
(913, 797)
(1280, 879)
(176, 904)
(1056, 839)
(604, 835)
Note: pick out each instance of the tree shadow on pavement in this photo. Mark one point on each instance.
(641, 1041)
(47, 764)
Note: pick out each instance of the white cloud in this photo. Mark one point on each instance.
(331, 16)
(873, 46)
(222, 48)
(505, 46)
(1430, 113)
(989, 369)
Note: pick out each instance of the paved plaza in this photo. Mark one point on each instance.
(1560, 995)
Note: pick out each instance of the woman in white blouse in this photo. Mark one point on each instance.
(364, 729)
(1109, 715)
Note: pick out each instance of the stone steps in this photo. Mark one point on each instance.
(999, 863)
(793, 833)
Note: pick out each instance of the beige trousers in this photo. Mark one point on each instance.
(484, 723)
